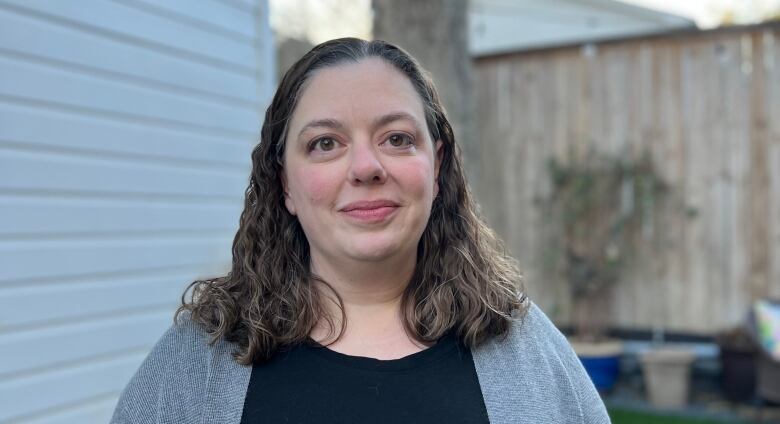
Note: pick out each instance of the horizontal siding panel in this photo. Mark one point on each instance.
(22, 125)
(99, 411)
(32, 216)
(64, 44)
(47, 84)
(25, 171)
(131, 24)
(22, 397)
(248, 6)
(77, 343)
(210, 13)
(22, 261)
(126, 132)
(67, 301)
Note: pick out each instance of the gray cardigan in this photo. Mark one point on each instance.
(531, 376)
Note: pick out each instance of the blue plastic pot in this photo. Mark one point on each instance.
(603, 370)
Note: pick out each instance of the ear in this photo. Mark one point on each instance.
(439, 148)
(288, 201)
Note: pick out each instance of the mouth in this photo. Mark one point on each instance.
(373, 211)
(368, 205)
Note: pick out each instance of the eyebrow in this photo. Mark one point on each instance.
(378, 122)
(395, 116)
(321, 123)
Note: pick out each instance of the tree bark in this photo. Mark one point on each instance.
(435, 32)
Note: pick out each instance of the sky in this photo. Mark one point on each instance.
(708, 13)
(320, 20)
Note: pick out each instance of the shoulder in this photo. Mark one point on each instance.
(176, 367)
(531, 337)
(535, 329)
(184, 342)
(534, 367)
(185, 336)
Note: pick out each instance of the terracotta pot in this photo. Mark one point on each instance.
(667, 376)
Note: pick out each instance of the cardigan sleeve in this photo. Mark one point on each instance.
(532, 375)
(164, 386)
(591, 407)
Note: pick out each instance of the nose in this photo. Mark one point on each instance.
(365, 166)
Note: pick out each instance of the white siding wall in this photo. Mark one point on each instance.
(126, 128)
(501, 26)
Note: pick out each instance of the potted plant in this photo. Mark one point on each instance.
(600, 208)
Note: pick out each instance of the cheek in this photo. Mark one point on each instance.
(417, 177)
(315, 186)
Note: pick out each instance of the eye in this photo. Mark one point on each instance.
(323, 144)
(400, 140)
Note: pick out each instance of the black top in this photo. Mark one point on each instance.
(313, 384)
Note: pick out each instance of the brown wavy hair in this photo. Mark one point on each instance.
(464, 281)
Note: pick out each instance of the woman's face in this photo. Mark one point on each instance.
(360, 167)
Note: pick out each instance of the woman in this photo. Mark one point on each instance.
(364, 287)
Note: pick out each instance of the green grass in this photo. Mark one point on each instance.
(621, 416)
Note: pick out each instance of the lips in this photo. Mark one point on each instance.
(368, 205)
(371, 212)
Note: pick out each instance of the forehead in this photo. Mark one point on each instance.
(356, 91)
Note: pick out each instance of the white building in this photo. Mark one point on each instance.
(126, 128)
(501, 26)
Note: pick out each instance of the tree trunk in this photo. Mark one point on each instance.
(436, 33)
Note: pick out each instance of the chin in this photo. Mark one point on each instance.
(375, 251)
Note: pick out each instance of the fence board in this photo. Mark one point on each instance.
(706, 106)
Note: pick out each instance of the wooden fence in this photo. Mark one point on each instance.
(706, 105)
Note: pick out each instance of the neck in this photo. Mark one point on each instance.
(371, 295)
(366, 284)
